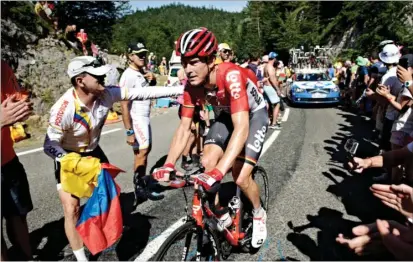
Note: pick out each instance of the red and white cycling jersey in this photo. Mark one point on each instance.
(237, 90)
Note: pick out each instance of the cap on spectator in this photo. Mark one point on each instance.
(265, 59)
(360, 61)
(347, 63)
(390, 54)
(136, 48)
(272, 55)
(385, 42)
(223, 46)
(86, 64)
(280, 64)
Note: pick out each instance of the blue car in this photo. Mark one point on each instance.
(313, 87)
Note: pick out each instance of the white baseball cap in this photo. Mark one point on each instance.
(223, 46)
(86, 64)
(265, 59)
(390, 54)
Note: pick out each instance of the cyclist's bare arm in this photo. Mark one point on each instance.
(123, 93)
(180, 140)
(126, 82)
(124, 105)
(58, 124)
(273, 78)
(239, 136)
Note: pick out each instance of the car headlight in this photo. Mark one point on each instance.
(335, 89)
(299, 90)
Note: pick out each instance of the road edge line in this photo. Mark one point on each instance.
(41, 148)
(153, 246)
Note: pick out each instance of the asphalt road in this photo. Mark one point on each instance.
(312, 197)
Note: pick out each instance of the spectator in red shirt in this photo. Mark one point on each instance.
(16, 202)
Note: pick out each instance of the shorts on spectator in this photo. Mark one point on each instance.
(399, 138)
(271, 95)
(15, 191)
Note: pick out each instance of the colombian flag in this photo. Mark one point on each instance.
(100, 224)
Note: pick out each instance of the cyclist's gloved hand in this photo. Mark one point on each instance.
(162, 174)
(208, 179)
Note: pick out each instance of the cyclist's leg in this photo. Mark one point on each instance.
(216, 142)
(142, 129)
(245, 163)
(242, 173)
(71, 207)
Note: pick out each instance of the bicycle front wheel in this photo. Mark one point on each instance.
(182, 245)
(261, 178)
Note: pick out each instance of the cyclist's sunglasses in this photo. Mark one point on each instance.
(140, 55)
(226, 51)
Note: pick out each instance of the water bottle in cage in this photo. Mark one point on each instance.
(234, 204)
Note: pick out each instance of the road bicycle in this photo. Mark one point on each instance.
(200, 238)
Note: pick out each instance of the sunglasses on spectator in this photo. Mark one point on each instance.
(226, 51)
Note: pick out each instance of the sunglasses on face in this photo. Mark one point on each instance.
(140, 55)
(226, 51)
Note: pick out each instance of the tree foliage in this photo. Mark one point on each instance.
(160, 27)
(262, 26)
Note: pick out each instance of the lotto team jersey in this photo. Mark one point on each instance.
(9, 86)
(74, 127)
(134, 79)
(236, 91)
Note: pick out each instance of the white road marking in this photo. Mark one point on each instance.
(269, 142)
(154, 245)
(285, 116)
(41, 148)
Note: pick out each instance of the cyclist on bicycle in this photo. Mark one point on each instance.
(236, 138)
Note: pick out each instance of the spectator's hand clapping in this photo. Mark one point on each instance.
(366, 241)
(383, 90)
(13, 111)
(399, 197)
(369, 92)
(398, 240)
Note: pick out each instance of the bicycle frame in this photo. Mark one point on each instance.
(200, 211)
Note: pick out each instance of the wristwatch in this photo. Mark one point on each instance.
(130, 132)
(408, 83)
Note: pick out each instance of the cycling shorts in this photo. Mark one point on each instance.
(271, 95)
(98, 153)
(221, 130)
(143, 132)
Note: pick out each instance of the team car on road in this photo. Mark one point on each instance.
(312, 87)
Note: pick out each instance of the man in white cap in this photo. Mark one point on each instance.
(76, 122)
(136, 119)
(225, 52)
(390, 57)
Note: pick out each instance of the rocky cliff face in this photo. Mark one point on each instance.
(40, 64)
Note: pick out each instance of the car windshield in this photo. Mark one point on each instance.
(312, 77)
(174, 72)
